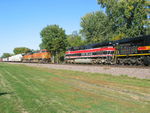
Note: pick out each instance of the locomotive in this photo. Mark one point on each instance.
(128, 51)
(42, 56)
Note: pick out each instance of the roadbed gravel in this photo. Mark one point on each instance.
(142, 73)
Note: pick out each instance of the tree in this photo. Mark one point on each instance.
(148, 31)
(54, 40)
(5, 55)
(74, 40)
(19, 50)
(42, 46)
(96, 27)
(128, 16)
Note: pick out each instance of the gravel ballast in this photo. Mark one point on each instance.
(142, 73)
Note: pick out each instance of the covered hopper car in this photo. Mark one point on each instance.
(15, 58)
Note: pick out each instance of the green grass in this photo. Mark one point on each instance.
(40, 90)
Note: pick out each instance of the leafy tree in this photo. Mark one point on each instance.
(54, 40)
(74, 40)
(5, 55)
(128, 16)
(148, 31)
(118, 37)
(41, 46)
(96, 27)
(19, 50)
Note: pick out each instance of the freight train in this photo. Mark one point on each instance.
(128, 51)
(42, 56)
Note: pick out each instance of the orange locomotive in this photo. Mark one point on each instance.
(42, 56)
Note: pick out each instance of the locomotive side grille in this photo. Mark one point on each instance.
(127, 50)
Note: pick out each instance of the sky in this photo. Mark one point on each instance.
(22, 20)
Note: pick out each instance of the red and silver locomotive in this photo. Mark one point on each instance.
(127, 51)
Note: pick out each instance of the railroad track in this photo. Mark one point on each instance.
(141, 72)
(100, 65)
(114, 66)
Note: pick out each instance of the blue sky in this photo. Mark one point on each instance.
(22, 20)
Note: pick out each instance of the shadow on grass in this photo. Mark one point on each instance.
(5, 93)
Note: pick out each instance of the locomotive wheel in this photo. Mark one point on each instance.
(146, 60)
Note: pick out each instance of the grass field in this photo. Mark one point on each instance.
(40, 90)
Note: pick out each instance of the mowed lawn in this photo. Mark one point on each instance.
(26, 89)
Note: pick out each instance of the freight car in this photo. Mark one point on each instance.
(1, 59)
(127, 51)
(15, 58)
(5, 59)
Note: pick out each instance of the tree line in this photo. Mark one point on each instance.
(121, 19)
(17, 50)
